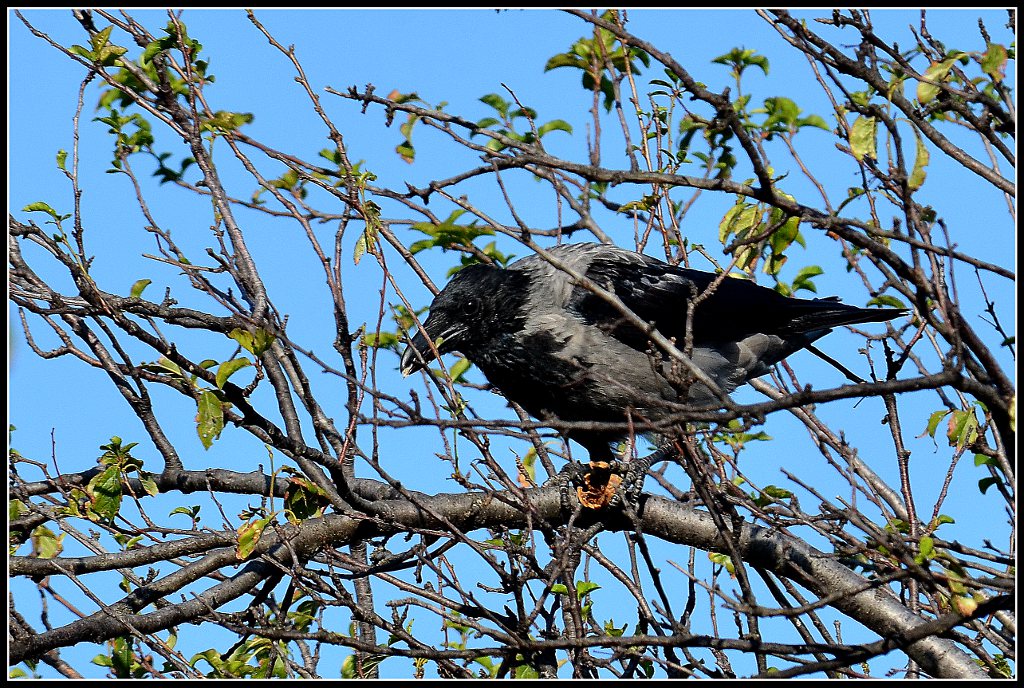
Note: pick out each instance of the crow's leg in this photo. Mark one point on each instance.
(568, 480)
(594, 483)
(597, 482)
(609, 479)
(633, 473)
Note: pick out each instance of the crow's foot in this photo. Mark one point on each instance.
(572, 477)
(633, 473)
(601, 483)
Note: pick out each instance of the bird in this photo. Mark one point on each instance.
(563, 351)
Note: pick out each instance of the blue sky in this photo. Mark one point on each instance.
(456, 57)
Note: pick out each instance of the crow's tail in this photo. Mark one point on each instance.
(822, 314)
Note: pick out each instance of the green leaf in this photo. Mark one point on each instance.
(553, 125)
(813, 121)
(228, 368)
(921, 160)
(190, 511)
(223, 120)
(898, 525)
(993, 61)
(304, 499)
(448, 233)
(99, 39)
(781, 111)
(41, 207)
(527, 112)
(929, 86)
(62, 156)
(986, 483)
(526, 671)
(406, 128)
(106, 491)
(723, 560)
(886, 301)
(243, 337)
(934, 420)
(149, 484)
(249, 536)
(457, 370)
(777, 492)
(739, 59)
(770, 495)
(45, 543)
(496, 102)
(644, 204)
(927, 547)
(348, 667)
(862, 98)
(803, 278)
(530, 464)
(81, 51)
(559, 589)
(963, 428)
(108, 55)
(139, 287)
(256, 343)
(565, 60)
(360, 248)
(741, 218)
(381, 340)
(614, 631)
(863, 138)
(209, 419)
(784, 236)
(406, 151)
(485, 123)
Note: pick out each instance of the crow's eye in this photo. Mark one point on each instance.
(469, 307)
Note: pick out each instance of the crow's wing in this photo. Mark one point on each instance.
(731, 310)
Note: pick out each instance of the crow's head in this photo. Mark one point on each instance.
(479, 304)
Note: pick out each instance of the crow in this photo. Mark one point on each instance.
(564, 351)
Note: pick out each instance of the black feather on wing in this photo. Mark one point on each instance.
(733, 310)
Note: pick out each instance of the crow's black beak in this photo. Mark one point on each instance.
(437, 336)
(416, 355)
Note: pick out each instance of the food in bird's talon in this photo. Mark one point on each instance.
(564, 351)
(599, 489)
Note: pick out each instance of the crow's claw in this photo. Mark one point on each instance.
(572, 475)
(606, 483)
(633, 473)
(599, 483)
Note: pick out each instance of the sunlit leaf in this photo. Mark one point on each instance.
(249, 536)
(45, 543)
(921, 160)
(138, 287)
(863, 138)
(106, 491)
(993, 61)
(209, 418)
(929, 87)
(229, 368)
